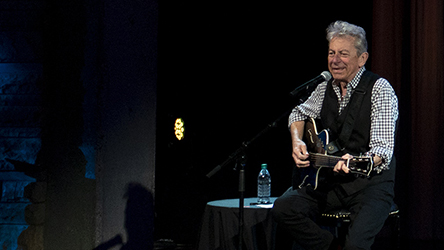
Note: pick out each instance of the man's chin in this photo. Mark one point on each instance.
(338, 77)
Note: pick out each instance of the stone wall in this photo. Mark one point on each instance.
(77, 86)
(20, 75)
(12, 207)
(20, 98)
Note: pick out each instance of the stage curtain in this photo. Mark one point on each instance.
(408, 50)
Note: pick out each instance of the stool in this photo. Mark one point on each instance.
(337, 223)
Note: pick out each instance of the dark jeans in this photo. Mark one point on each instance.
(297, 210)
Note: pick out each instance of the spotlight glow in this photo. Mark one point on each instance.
(179, 129)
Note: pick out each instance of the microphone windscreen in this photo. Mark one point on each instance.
(326, 75)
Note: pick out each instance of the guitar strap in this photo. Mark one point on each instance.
(354, 106)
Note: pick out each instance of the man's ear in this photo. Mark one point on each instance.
(363, 59)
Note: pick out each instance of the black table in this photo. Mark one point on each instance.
(220, 229)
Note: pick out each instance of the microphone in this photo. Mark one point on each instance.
(324, 76)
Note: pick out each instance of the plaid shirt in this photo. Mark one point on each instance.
(384, 113)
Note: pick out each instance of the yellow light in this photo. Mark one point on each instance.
(179, 129)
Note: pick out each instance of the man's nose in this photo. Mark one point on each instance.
(336, 59)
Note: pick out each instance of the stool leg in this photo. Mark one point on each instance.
(398, 231)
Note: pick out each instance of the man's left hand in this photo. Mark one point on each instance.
(341, 166)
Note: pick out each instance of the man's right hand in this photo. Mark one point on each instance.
(300, 154)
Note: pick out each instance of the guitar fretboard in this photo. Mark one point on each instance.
(325, 160)
(321, 160)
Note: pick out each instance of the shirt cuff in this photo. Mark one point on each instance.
(386, 156)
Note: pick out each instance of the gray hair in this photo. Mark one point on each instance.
(341, 28)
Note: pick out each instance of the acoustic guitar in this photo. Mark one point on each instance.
(317, 143)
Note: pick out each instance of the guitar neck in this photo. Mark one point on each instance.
(322, 160)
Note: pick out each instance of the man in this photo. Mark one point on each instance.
(360, 109)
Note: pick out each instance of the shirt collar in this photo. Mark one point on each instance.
(354, 82)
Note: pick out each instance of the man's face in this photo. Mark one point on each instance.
(343, 59)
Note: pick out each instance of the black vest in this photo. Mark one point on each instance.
(354, 117)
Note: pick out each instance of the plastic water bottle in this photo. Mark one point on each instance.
(263, 185)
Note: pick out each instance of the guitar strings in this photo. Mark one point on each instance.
(328, 160)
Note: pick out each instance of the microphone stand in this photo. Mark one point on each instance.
(240, 155)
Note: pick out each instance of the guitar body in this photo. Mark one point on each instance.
(317, 142)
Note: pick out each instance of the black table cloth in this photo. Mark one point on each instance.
(220, 230)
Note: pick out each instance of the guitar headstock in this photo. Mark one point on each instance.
(362, 165)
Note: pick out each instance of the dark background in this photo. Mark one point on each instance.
(90, 90)
(227, 70)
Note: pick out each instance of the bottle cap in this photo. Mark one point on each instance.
(264, 165)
